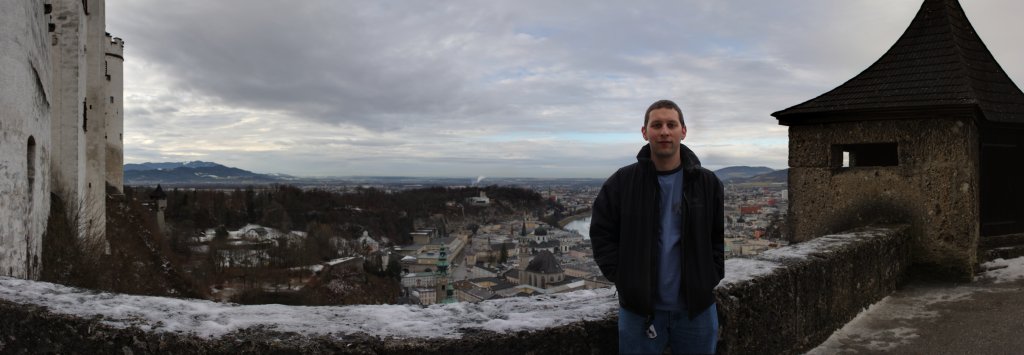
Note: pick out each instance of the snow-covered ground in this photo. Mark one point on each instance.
(258, 234)
(896, 320)
(212, 319)
(1001, 270)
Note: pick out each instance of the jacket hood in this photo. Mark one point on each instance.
(689, 159)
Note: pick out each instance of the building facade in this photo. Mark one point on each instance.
(59, 83)
(25, 105)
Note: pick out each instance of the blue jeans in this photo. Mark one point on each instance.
(673, 328)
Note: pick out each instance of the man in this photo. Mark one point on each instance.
(658, 234)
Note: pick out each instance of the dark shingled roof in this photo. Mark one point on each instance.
(544, 263)
(939, 62)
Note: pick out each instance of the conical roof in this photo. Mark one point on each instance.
(938, 63)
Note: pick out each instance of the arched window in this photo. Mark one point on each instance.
(31, 164)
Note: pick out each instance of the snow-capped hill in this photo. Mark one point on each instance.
(193, 172)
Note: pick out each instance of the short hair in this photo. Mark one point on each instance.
(664, 104)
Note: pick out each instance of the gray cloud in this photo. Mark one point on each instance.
(333, 87)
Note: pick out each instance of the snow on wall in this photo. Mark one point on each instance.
(212, 319)
(25, 137)
(742, 270)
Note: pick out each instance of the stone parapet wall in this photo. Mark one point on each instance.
(34, 329)
(784, 301)
(793, 298)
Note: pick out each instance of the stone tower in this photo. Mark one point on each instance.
(67, 49)
(524, 258)
(87, 119)
(96, 98)
(114, 74)
(445, 291)
(926, 135)
(159, 198)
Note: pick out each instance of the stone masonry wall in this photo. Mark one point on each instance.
(782, 302)
(97, 99)
(934, 188)
(817, 287)
(67, 53)
(24, 136)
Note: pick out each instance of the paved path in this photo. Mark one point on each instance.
(921, 318)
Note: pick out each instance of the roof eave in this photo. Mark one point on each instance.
(968, 110)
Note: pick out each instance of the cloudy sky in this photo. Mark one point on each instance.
(495, 88)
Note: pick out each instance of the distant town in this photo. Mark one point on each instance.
(468, 241)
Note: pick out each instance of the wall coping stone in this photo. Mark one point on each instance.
(782, 301)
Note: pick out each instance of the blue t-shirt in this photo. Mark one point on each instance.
(670, 241)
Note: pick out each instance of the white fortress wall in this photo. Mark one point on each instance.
(24, 135)
(96, 128)
(67, 50)
(115, 112)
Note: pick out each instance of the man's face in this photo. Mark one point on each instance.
(664, 132)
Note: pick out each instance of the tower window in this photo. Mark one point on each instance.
(31, 164)
(864, 155)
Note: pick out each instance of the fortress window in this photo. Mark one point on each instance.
(862, 155)
(85, 117)
(31, 164)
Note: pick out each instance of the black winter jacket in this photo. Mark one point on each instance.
(626, 225)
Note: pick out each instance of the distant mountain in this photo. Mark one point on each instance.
(774, 177)
(169, 166)
(748, 174)
(741, 172)
(194, 172)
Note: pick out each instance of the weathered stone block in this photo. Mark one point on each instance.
(934, 186)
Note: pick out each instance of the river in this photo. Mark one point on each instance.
(582, 226)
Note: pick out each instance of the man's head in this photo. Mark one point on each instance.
(664, 104)
(664, 130)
